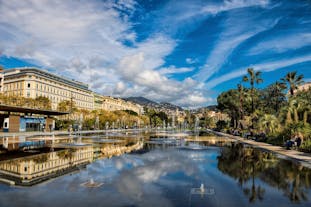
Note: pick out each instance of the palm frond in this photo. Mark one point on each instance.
(245, 78)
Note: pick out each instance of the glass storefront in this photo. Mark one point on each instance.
(28, 124)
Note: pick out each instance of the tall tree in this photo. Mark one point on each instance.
(253, 77)
(228, 102)
(293, 81)
(241, 100)
(274, 97)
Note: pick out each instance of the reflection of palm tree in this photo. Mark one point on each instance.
(243, 164)
(295, 192)
(254, 193)
(293, 180)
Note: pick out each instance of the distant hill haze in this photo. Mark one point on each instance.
(152, 104)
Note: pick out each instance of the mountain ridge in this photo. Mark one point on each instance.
(152, 104)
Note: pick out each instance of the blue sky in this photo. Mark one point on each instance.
(184, 51)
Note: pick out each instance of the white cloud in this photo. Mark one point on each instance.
(219, 55)
(83, 40)
(157, 86)
(238, 28)
(232, 4)
(263, 67)
(173, 70)
(191, 60)
(293, 41)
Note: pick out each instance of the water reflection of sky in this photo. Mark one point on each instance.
(160, 177)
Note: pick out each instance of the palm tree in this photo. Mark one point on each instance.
(304, 106)
(252, 77)
(241, 100)
(293, 81)
(292, 111)
(277, 96)
(269, 123)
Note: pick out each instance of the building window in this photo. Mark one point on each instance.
(28, 85)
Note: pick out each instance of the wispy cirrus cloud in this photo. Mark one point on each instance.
(238, 28)
(174, 70)
(277, 43)
(232, 4)
(264, 67)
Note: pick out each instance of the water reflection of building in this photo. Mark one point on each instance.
(20, 143)
(116, 150)
(36, 168)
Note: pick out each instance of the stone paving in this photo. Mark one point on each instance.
(57, 133)
(301, 157)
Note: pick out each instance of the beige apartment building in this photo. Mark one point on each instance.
(304, 86)
(114, 104)
(1, 82)
(33, 82)
(109, 103)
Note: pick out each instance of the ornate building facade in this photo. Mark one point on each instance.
(33, 83)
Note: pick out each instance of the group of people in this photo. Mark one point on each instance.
(249, 134)
(293, 142)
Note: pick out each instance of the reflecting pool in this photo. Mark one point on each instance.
(150, 169)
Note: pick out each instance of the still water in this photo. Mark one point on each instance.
(150, 170)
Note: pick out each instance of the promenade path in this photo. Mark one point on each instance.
(58, 133)
(301, 157)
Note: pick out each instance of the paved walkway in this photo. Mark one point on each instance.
(57, 133)
(301, 157)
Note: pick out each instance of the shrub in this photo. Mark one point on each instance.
(221, 124)
(306, 146)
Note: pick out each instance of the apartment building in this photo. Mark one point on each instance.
(32, 83)
(1, 82)
(114, 104)
(304, 86)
